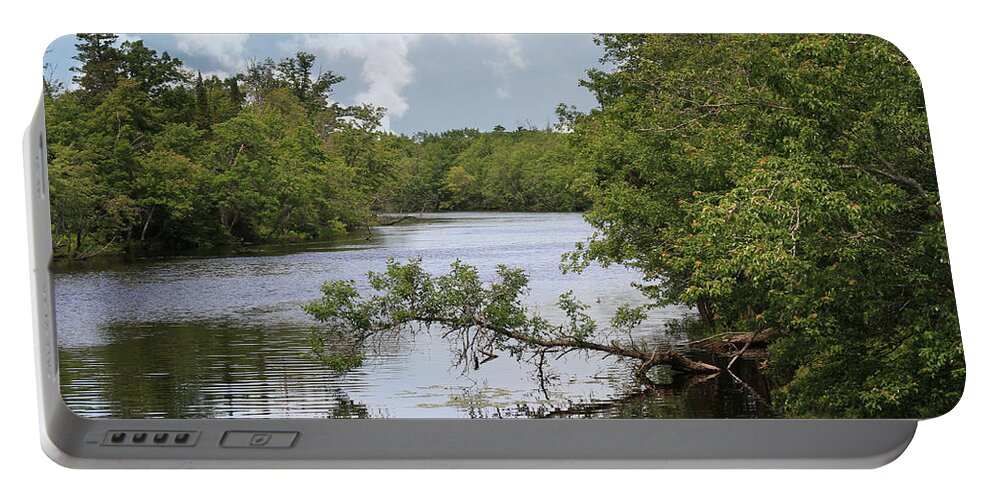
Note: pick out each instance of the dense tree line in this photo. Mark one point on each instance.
(783, 182)
(528, 170)
(146, 154)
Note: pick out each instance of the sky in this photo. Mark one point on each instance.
(427, 82)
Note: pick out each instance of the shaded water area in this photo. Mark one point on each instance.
(224, 336)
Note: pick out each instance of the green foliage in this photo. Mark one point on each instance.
(627, 317)
(782, 181)
(312, 92)
(527, 170)
(167, 187)
(148, 155)
(99, 65)
(483, 314)
(478, 317)
(580, 324)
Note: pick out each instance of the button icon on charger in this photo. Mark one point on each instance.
(253, 439)
(259, 439)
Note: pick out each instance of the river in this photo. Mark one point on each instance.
(224, 336)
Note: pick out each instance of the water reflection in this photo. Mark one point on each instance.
(224, 336)
(185, 371)
(221, 371)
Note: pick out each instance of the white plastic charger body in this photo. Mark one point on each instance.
(78, 442)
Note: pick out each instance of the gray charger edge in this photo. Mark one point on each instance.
(78, 442)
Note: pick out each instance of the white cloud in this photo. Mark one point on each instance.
(226, 51)
(385, 68)
(508, 56)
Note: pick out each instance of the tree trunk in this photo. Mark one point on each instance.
(738, 340)
(704, 309)
(144, 228)
(397, 220)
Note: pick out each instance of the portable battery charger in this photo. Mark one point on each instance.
(638, 250)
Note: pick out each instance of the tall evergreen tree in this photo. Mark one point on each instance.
(153, 73)
(235, 96)
(201, 114)
(99, 65)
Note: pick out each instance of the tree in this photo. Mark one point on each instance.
(235, 96)
(154, 74)
(782, 182)
(462, 187)
(293, 73)
(88, 213)
(435, 155)
(201, 113)
(259, 78)
(313, 92)
(99, 65)
(168, 188)
(265, 156)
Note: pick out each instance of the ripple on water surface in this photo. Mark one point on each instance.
(225, 336)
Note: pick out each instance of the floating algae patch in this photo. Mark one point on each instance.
(468, 398)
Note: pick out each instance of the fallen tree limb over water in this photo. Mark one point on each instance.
(390, 220)
(659, 356)
(477, 319)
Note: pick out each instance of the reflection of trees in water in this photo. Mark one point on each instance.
(740, 393)
(141, 372)
(189, 371)
(643, 403)
(203, 371)
(346, 408)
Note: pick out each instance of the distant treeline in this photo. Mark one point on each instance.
(146, 154)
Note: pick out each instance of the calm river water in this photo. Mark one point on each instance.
(225, 336)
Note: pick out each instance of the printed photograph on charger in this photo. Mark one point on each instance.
(496, 226)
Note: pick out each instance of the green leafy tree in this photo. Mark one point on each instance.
(312, 91)
(168, 188)
(782, 182)
(462, 187)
